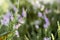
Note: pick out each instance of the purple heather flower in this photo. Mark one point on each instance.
(46, 19)
(16, 26)
(23, 12)
(6, 18)
(47, 22)
(45, 25)
(5, 21)
(40, 14)
(46, 38)
(10, 15)
(20, 19)
(14, 7)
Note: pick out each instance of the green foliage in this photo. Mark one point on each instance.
(28, 30)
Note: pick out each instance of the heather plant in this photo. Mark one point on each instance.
(29, 20)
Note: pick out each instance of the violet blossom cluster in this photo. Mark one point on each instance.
(6, 18)
(47, 23)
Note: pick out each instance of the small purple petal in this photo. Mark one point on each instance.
(16, 26)
(10, 15)
(40, 14)
(46, 25)
(23, 12)
(21, 20)
(14, 7)
(6, 18)
(46, 19)
(5, 22)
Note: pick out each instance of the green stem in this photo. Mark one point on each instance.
(58, 30)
